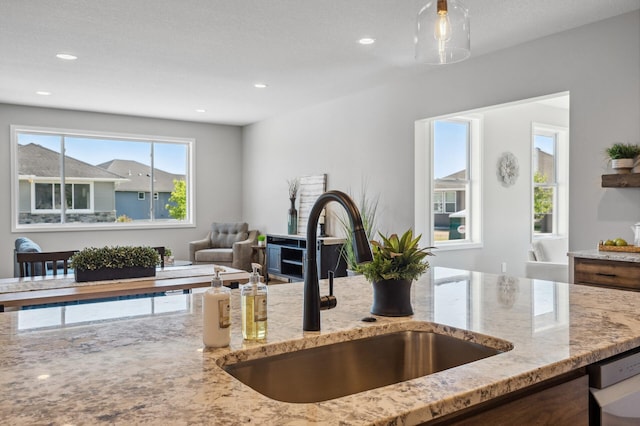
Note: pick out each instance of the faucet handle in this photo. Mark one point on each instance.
(330, 301)
(331, 273)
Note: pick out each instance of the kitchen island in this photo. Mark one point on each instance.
(142, 361)
(601, 268)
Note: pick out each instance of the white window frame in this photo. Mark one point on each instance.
(561, 184)
(424, 182)
(188, 222)
(142, 196)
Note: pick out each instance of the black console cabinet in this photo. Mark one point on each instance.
(286, 255)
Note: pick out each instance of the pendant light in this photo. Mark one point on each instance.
(442, 33)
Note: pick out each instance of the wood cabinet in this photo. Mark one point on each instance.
(607, 273)
(286, 256)
(560, 401)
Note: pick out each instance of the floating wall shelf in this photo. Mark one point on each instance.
(627, 180)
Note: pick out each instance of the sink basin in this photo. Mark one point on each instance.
(339, 369)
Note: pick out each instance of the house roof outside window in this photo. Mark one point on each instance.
(137, 176)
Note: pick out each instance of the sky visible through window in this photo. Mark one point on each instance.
(544, 143)
(169, 157)
(449, 148)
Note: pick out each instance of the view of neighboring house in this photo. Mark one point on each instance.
(89, 190)
(102, 193)
(133, 194)
(449, 195)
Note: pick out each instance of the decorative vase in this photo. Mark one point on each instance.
(292, 227)
(392, 298)
(113, 273)
(622, 165)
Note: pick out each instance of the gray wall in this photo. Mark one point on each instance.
(218, 163)
(370, 136)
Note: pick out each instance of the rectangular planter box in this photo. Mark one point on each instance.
(113, 274)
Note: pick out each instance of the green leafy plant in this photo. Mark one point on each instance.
(168, 252)
(177, 205)
(542, 196)
(621, 150)
(397, 258)
(262, 237)
(115, 257)
(368, 207)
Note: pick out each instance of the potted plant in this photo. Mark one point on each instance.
(397, 261)
(622, 156)
(168, 256)
(110, 263)
(262, 240)
(368, 207)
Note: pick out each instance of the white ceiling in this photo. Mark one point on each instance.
(167, 58)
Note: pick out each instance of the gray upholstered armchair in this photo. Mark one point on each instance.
(228, 244)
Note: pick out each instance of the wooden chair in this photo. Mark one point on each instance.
(27, 262)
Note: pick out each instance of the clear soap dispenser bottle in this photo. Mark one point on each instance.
(253, 300)
(216, 314)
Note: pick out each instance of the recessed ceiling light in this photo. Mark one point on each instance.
(367, 40)
(43, 93)
(201, 110)
(260, 86)
(66, 56)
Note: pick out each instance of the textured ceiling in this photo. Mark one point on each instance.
(167, 58)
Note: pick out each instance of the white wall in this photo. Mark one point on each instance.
(218, 164)
(369, 135)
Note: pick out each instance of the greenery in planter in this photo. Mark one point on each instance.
(397, 258)
(368, 207)
(116, 257)
(621, 150)
(167, 252)
(262, 237)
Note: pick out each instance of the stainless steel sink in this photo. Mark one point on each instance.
(340, 369)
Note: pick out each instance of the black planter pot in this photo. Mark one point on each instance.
(392, 298)
(113, 273)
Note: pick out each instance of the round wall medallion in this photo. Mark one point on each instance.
(508, 169)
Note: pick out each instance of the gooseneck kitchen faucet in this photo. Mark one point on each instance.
(312, 302)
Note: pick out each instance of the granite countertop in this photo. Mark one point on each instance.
(606, 255)
(142, 361)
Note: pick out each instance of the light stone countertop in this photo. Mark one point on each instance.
(142, 361)
(606, 255)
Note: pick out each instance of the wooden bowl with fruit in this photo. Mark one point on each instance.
(619, 245)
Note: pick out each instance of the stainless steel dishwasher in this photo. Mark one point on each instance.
(615, 390)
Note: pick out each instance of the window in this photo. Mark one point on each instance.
(449, 151)
(47, 197)
(548, 180)
(444, 202)
(75, 179)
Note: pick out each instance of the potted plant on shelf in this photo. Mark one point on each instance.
(110, 263)
(396, 263)
(262, 240)
(622, 156)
